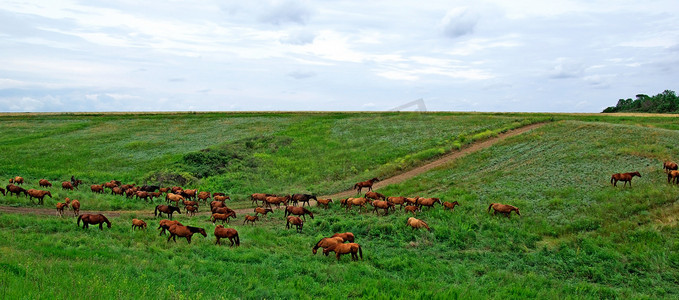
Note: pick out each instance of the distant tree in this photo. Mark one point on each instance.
(665, 102)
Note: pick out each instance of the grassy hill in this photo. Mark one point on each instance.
(577, 237)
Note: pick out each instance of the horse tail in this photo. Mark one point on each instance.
(612, 177)
(355, 186)
(489, 206)
(237, 239)
(155, 212)
(360, 252)
(79, 218)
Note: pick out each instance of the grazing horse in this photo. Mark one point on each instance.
(66, 185)
(160, 209)
(417, 223)
(39, 194)
(411, 208)
(669, 166)
(94, 220)
(304, 198)
(375, 196)
(184, 231)
(277, 201)
(220, 198)
(503, 209)
(397, 200)
(116, 191)
(326, 242)
(259, 197)
(223, 217)
(357, 202)
(251, 219)
(75, 205)
(347, 236)
(428, 202)
(294, 221)
(672, 177)
(367, 183)
(17, 180)
(381, 204)
(136, 223)
(450, 205)
(61, 207)
(189, 194)
(340, 249)
(142, 195)
(44, 183)
(97, 188)
(165, 225)
(624, 177)
(324, 202)
(230, 233)
(298, 211)
(15, 189)
(262, 210)
(174, 198)
(191, 210)
(191, 203)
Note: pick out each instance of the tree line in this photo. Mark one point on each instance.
(665, 102)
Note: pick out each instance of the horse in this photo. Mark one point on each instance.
(44, 183)
(357, 202)
(230, 233)
(304, 198)
(450, 205)
(223, 210)
(669, 166)
(191, 210)
(381, 204)
(347, 236)
(375, 196)
(75, 182)
(116, 191)
(97, 188)
(142, 195)
(259, 197)
(298, 211)
(189, 194)
(94, 220)
(184, 231)
(221, 198)
(262, 210)
(417, 223)
(340, 249)
(203, 196)
(251, 219)
(174, 198)
(165, 209)
(17, 180)
(191, 203)
(75, 205)
(223, 217)
(326, 242)
(503, 209)
(367, 183)
(165, 225)
(61, 207)
(411, 200)
(39, 194)
(136, 223)
(428, 202)
(624, 177)
(277, 201)
(66, 185)
(294, 221)
(153, 194)
(15, 189)
(149, 188)
(672, 177)
(397, 200)
(411, 208)
(324, 202)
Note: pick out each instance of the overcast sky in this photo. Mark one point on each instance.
(531, 56)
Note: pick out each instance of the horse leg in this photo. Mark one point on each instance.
(101, 226)
(232, 242)
(188, 238)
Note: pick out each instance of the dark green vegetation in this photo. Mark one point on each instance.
(578, 236)
(665, 102)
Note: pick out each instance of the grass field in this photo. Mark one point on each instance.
(578, 237)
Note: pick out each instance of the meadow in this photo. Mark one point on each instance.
(577, 236)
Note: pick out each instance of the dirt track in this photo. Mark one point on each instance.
(395, 179)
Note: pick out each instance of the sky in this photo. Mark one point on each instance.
(262, 55)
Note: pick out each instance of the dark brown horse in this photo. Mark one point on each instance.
(15, 189)
(504, 209)
(341, 249)
(44, 183)
(298, 211)
(294, 221)
(165, 224)
(184, 231)
(326, 242)
(367, 183)
(160, 209)
(94, 220)
(624, 177)
(230, 233)
(669, 166)
(304, 198)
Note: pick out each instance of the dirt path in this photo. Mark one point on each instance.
(391, 180)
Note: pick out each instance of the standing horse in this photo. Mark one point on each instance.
(136, 223)
(262, 210)
(304, 198)
(669, 166)
(450, 205)
(504, 209)
(44, 183)
(66, 185)
(17, 180)
(326, 242)
(672, 177)
(298, 211)
(428, 202)
(39, 194)
(94, 220)
(15, 189)
(381, 204)
(375, 196)
(75, 205)
(340, 249)
(160, 209)
(294, 221)
(230, 233)
(259, 197)
(347, 236)
(185, 232)
(251, 219)
(165, 224)
(367, 183)
(624, 177)
(277, 201)
(324, 202)
(61, 207)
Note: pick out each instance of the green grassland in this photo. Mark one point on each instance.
(578, 237)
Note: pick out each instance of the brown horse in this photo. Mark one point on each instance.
(222, 217)
(230, 233)
(347, 236)
(428, 202)
(367, 183)
(624, 177)
(15, 189)
(504, 209)
(324, 202)
(669, 166)
(341, 249)
(277, 201)
(262, 210)
(298, 211)
(184, 231)
(61, 207)
(136, 223)
(191, 210)
(326, 242)
(44, 183)
(97, 188)
(189, 194)
(304, 198)
(165, 225)
(66, 185)
(397, 200)
(356, 202)
(116, 191)
(251, 219)
(191, 203)
(260, 197)
(39, 194)
(450, 205)
(672, 177)
(3, 191)
(375, 196)
(294, 221)
(381, 204)
(94, 220)
(169, 210)
(75, 205)
(223, 210)
(203, 196)
(142, 195)
(17, 180)
(174, 198)
(417, 223)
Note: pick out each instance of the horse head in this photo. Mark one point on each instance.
(636, 174)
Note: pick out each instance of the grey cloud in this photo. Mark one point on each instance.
(301, 74)
(566, 69)
(286, 12)
(460, 22)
